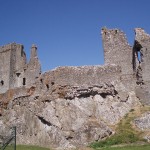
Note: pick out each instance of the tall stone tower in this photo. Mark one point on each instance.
(12, 58)
(14, 70)
(117, 50)
(33, 68)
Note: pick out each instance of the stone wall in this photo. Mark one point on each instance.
(142, 46)
(4, 70)
(141, 61)
(14, 70)
(117, 50)
(85, 75)
(33, 69)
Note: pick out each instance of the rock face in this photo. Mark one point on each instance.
(53, 114)
(143, 123)
(70, 107)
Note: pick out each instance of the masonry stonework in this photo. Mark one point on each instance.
(14, 69)
(134, 62)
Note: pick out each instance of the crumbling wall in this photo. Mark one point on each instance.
(33, 69)
(142, 46)
(141, 55)
(117, 50)
(5, 55)
(79, 76)
(14, 70)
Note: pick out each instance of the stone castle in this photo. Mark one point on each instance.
(133, 60)
(14, 69)
(69, 107)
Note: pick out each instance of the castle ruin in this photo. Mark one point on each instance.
(68, 107)
(14, 69)
(133, 60)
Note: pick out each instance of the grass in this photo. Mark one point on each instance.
(126, 133)
(140, 147)
(26, 147)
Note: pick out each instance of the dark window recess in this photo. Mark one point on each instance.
(24, 81)
(2, 82)
(47, 86)
(18, 74)
(52, 83)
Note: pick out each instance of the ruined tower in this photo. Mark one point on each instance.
(14, 69)
(117, 50)
(142, 53)
(33, 68)
(141, 61)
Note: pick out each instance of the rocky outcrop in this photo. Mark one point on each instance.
(143, 123)
(56, 115)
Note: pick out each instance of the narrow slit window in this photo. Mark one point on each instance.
(24, 81)
(47, 86)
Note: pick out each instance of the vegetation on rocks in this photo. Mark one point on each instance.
(126, 132)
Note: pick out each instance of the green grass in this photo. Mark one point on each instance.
(26, 147)
(141, 147)
(125, 132)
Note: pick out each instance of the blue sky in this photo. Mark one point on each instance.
(67, 32)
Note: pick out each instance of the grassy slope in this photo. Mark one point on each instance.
(140, 147)
(126, 133)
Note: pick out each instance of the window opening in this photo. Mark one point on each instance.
(2, 82)
(52, 83)
(139, 56)
(24, 81)
(47, 86)
(18, 74)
